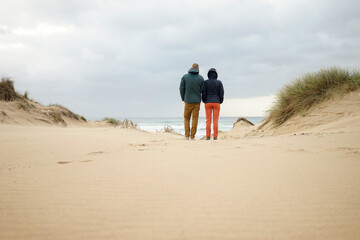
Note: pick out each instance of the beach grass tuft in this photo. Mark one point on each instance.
(126, 123)
(168, 128)
(25, 96)
(7, 90)
(112, 121)
(311, 89)
(242, 119)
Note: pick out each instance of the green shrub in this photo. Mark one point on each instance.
(26, 95)
(305, 92)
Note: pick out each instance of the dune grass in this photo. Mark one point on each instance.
(124, 124)
(112, 121)
(7, 90)
(311, 89)
(26, 95)
(244, 120)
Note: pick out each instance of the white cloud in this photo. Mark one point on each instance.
(247, 107)
(86, 54)
(11, 46)
(142, 48)
(43, 29)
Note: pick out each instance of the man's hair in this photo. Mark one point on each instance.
(195, 65)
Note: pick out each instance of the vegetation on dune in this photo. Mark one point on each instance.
(124, 124)
(244, 120)
(311, 89)
(7, 90)
(112, 121)
(24, 105)
(56, 118)
(26, 97)
(168, 129)
(54, 113)
(67, 113)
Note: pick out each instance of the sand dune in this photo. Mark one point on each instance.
(299, 182)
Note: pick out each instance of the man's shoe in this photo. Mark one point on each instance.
(186, 138)
(207, 138)
(215, 138)
(192, 138)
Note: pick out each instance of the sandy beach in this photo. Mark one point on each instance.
(101, 182)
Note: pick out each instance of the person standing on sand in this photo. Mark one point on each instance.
(191, 86)
(212, 96)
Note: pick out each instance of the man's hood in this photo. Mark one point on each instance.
(212, 74)
(194, 71)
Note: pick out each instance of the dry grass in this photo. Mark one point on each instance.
(54, 112)
(7, 90)
(311, 89)
(56, 117)
(24, 105)
(168, 129)
(66, 112)
(123, 124)
(244, 120)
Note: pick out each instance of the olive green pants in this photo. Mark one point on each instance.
(191, 110)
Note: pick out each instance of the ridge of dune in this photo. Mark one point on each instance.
(342, 112)
(27, 112)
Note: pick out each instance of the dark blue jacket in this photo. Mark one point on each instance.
(213, 91)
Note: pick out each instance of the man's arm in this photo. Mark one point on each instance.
(182, 88)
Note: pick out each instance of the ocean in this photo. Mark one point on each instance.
(177, 123)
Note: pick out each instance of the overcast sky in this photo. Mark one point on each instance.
(122, 58)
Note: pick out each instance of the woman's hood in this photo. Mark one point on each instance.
(212, 74)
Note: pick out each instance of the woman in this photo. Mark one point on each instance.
(212, 96)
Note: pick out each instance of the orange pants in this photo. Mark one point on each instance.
(212, 109)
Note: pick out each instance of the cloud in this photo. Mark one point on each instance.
(247, 107)
(132, 54)
(11, 46)
(42, 29)
(86, 54)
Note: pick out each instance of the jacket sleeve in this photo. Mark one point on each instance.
(203, 93)
(202, 83)
(182, 88)
(221, 94)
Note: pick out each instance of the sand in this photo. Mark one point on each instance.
(85, 182)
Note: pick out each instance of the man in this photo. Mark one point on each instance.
(191, 87)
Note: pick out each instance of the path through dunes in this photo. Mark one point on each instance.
(107, 183)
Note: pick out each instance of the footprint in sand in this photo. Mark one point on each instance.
(66, 162)
(347, 150)
(297, 150)
(63, 162)
(96, 153)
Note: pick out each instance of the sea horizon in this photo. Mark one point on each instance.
(157, 124)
